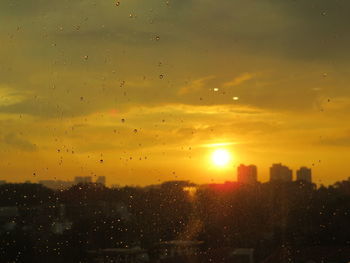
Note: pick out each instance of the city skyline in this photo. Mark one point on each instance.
(246, 174)
(165, 131)
(146, 92)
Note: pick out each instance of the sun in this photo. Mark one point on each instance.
(221, 157)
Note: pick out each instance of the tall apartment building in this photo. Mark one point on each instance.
(247, 174)
(304, 174)
(280, 173)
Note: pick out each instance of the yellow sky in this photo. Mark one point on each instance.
(269, 80)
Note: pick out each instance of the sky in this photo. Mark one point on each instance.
(144, 91)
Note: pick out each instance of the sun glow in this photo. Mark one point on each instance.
(221, 157)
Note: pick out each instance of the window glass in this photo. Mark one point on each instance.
(174, 131)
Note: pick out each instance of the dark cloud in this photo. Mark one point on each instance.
(120, 35)
(15, 141)
(38, 108)
(310, 30)
(29, 7)
(198, 38)
(337, 141)
(321, 31)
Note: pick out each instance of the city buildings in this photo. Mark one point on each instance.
(280, 173)
(247, 174)
(82, 179)
(56, 184)
(101, 180)
(61, 184)
(304, 174)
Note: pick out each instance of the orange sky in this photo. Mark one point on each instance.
(267, 79)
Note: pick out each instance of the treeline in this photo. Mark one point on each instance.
(262, 216)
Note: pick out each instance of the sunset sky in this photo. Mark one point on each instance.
(144, 91)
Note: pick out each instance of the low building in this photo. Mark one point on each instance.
(119, 255)
(56, 184)
(176, 248)
(82, 179)
(243, 255)
(101, 180)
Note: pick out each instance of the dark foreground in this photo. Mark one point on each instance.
(176, 222)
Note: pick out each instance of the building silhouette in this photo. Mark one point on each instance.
(56, 184)
(280, 173)
(304, 174)
(101, 180)
(60, 184)
(82, 179)
(247, 174)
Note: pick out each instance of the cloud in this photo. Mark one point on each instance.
(299, 30)
(41, 108)
(239, 80)
(194, 86)
(13, 140)
(333, 104)
(242, 36)
(9, 96)
(336, 141)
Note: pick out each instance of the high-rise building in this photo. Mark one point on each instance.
(82, 179)
(101, 180)
(304, 174)
(281, 173)
(247, 174)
